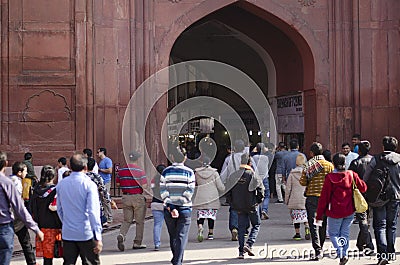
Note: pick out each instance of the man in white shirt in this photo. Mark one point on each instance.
(62, 167)
(350, 156)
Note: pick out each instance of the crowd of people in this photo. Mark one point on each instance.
(318, 193)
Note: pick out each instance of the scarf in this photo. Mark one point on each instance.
(313, 167)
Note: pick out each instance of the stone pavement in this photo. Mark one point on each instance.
(274, 245)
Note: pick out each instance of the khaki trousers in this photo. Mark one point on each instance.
(134, 207)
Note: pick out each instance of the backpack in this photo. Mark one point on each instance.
(379, 186)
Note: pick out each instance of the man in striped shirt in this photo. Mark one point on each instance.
(177, 185)
(132, 180)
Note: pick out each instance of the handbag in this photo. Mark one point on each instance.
(360, 203)
(58, 247)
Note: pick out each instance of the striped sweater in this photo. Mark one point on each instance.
(177, 185)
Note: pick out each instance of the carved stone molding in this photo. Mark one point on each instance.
(307, 2)
(46, 106)
(175, 1)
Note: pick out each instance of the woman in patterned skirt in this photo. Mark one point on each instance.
(208, 188)
(44, 212)
(295, 200)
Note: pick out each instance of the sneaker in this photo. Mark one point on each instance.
(156, 248)
(343, 260)
(368, 252)
(120, 240)
(249, 250)
(308, 233)
(316, 258)
(297, 237)
(241, 255)
(210, 237)
(234, 234)
(264, 215)
(137, 246)
(383, 262)
(200, 234)
(279, 202)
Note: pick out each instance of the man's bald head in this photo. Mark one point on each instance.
(78, 162)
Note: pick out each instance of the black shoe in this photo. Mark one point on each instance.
(368, 252)
(297, 237)
(317, 257)
(383, 262)
(343, 260)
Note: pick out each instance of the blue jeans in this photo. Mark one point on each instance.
(233, 219)
(6, 242)
(267, 194)
(244, 219)
(158, 222)
(178, 230)
(339, 232)
(384, 223)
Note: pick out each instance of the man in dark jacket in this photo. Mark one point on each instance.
(359, 165)
(385, 217)
(243, 199)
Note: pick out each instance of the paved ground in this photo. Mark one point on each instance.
(274, 245)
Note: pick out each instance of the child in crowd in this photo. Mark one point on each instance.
(19, 172)
(44, 212)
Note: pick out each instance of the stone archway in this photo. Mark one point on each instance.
(289, 25)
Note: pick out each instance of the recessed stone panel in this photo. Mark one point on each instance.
(49, 51)
(46, 10)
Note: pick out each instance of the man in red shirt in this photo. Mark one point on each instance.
(132, 180)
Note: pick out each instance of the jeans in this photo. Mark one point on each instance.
(84, 249)
(25, 242)
(364, 239)
(6, 242)
(280, 185)
(317, 236)
(244, 219)
(233, 219)
(158, 222)
(178, 230)
(384, 223)
(339, 232)
(267, 194)
(107, 206)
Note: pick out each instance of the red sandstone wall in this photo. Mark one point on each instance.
(69, 67)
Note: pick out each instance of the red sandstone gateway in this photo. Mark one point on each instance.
(69, 68)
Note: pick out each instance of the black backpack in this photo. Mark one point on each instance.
(379, 186)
